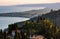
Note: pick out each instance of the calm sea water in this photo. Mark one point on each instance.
(5, 21)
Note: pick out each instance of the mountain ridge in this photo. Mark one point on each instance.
(28, 14)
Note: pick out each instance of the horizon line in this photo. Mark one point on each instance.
(29, 3)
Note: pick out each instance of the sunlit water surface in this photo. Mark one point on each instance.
(5, 21)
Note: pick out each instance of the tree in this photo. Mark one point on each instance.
(43, 27)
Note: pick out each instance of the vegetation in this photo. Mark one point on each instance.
(41, 26)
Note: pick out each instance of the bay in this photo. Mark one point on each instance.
(5, 21)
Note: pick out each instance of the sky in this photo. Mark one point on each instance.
(15, 2)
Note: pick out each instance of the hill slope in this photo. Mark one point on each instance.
(54, 15)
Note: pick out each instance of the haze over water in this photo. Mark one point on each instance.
(9, 9)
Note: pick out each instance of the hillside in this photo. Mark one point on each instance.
(54, 16)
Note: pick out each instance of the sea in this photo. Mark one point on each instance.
(5, 21)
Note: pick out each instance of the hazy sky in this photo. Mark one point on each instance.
(14, 2)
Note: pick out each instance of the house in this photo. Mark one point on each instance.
(38, 37)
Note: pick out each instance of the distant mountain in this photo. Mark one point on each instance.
(26, 7)
(48, 5)
(31, 13)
